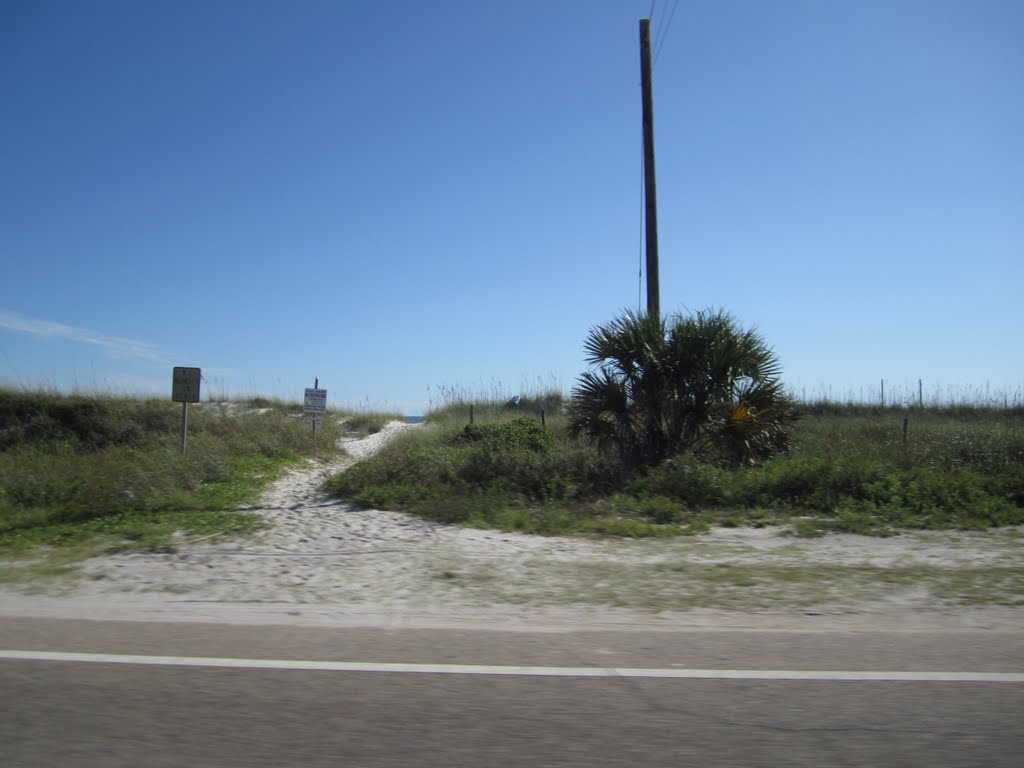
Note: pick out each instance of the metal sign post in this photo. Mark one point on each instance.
(185, 390)
(315, 402)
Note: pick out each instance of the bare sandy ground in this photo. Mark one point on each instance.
(323, 562)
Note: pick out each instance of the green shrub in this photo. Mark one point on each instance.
(388, 496)
(659, 509)
(462, 504)
(77, 458)
(808, 482)
(939, 499)
(518, 434)
(89, 423)
(686, 480)
(849, 470)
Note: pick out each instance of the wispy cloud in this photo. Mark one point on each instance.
(115, 346)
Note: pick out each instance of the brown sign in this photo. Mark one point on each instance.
(185, 388)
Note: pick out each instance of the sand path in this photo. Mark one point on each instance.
(322, 561)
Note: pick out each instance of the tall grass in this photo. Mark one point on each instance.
(873, 470)
(852, 468)
(917, 394)
(513, 467)
(68, 460)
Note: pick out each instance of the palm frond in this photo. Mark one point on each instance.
(692, 382)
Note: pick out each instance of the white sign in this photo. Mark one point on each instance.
(315, 401)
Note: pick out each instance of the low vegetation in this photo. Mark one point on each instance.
(682, 423)
(367, 423)
(633, 453)
(848, 468)
(106, 473)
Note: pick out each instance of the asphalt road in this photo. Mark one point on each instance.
(112, 710)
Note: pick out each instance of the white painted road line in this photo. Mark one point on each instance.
(483, 669)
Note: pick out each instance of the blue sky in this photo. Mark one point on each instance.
(409, 198)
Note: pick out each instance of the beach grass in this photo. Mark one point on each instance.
(99, 474)
(103, 473)
(853, 468)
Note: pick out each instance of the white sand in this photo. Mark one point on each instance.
(323, 562)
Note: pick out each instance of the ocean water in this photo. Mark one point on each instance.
(413, 419)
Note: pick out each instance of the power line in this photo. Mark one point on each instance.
(640, 249)
(664, 32)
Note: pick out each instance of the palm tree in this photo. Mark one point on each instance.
(695, 383)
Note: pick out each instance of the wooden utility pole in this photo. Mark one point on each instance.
(650, 194)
